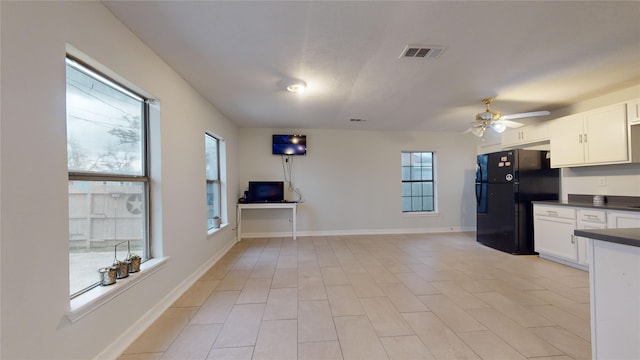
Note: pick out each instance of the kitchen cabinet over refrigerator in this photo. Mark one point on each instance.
(506, 184)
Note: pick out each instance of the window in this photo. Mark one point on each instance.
(108, 175)
(418, 188)
(212, 149)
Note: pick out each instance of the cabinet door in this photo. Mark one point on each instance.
(605, 136)
(588, 219)
(511, 137)
(567, 141)
(633, 112)
(525, 135)
(554, 236)
(535, 133)
(623, 219)
(583, 243)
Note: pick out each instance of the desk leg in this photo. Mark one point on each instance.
(239, 220)
(294, 223)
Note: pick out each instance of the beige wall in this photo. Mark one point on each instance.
(351, 184)
(34, 231)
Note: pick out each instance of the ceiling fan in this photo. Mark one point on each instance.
(499, 123)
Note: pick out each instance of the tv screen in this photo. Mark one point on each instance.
(289, 145)
(265, 191)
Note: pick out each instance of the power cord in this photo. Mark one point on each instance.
(287, 168)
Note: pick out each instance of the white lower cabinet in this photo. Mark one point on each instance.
(553, 233)
(617, 219)
(588, 219)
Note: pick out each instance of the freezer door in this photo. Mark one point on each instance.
(500, 167)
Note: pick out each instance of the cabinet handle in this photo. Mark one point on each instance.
(585, 138)
(552, 213)
(573, 240)
(580, 139)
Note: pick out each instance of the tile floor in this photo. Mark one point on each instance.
(418, 296)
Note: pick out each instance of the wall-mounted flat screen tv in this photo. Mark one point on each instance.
(289, 145)
(265, 191)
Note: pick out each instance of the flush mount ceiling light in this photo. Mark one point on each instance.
(297, 87)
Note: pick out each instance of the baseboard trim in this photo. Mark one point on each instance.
(360, 232)
(127, 338)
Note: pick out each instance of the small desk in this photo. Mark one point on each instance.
(281, 205)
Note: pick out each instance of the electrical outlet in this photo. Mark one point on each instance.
(602, 181)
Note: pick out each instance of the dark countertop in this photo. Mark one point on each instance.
(626, 203)
(630, 236)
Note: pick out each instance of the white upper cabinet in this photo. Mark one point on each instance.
(525, 135)
(566, 145)
(594, 137)
(605, 135)
(633, 112)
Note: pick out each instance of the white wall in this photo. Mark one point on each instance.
(621, 180)
(34, 224)
(351, 181)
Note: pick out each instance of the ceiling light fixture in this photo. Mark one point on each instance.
(297, 87)
(488, 119)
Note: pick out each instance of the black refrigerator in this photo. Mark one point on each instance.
(506, 184)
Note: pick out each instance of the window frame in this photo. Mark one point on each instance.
(433, 183)
(96, 176)
(216, 182)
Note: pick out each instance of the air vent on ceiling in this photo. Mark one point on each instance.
(422, 51)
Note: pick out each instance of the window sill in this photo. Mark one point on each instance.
(421, 213)
(213, 231)
(93, 299)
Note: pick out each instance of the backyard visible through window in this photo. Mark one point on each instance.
(417, 181)
(108, 183)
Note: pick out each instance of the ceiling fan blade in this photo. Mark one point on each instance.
(511, 124)
(525, 115)
(474, 125)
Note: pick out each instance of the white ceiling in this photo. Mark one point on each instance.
(531, 55)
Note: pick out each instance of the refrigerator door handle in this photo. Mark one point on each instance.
(478, 194)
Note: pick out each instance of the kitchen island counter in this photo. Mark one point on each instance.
(614, 282)
(629, 236)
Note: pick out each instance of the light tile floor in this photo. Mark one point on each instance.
(418, 296)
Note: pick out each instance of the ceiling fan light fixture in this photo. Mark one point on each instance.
(488, 115)
(498, 126)
(297, 87)
(478, 130)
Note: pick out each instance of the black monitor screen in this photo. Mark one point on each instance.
(289, 145)
(266, 191)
